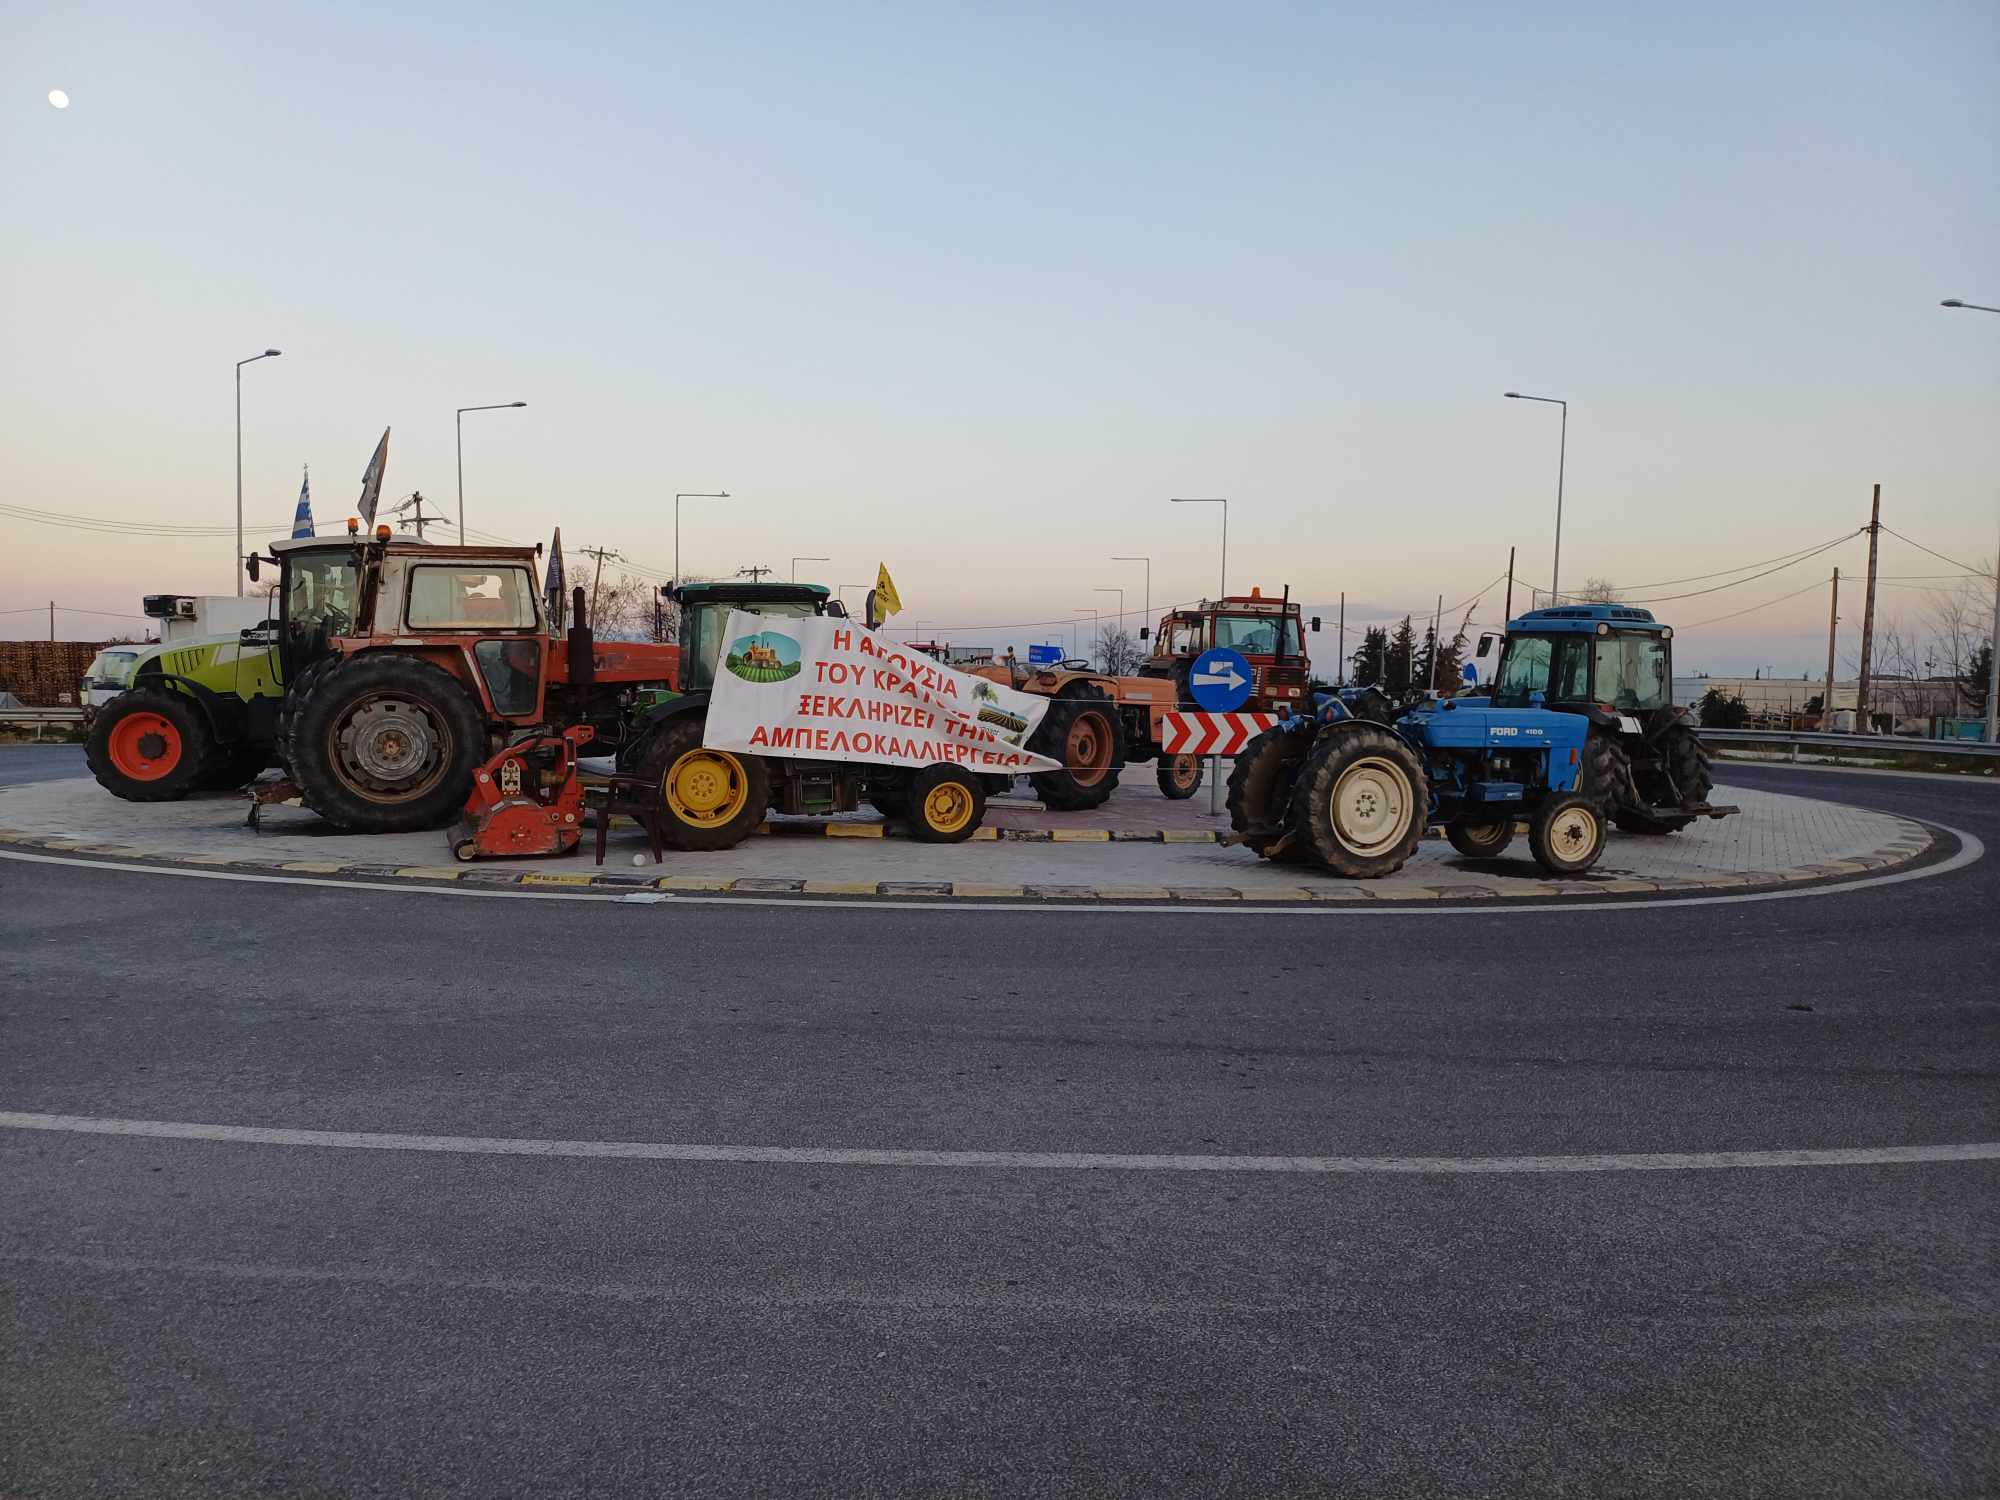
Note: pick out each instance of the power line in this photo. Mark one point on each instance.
(1955, 562)
(108, 526)
(1752, 609)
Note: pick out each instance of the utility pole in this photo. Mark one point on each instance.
(754, 574)
(1510, 588)
(1437, 628)
(600, 553)
(1993, 664)
(1868, 615)
(1342, 681)
(1832, 626)
(52, 619)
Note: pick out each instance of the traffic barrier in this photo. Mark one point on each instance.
(1198, 733)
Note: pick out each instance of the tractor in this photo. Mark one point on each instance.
(1268, 633)
(409, 666)
(1097, 724)
(714, 799)
(1580, 733)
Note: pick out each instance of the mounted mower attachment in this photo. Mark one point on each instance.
(528, 799)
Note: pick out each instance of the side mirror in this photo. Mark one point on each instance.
(836, 610)
(1315, 624)
(255, 632)
(250, 565)
(1145, 634)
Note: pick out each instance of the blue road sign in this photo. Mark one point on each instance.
(1044, 656)
(1220, 680)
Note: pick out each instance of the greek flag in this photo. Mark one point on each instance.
(302, 520)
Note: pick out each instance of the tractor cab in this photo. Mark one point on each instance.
(1267, 632)
(1604, 660)
(705, 611)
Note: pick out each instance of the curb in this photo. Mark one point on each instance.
(1912, 841)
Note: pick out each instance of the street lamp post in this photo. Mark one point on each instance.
(458, 424)
(1147, 618)
(1993, 661)
(1224, 503)
(797, 560)
(689, 495)
(1562, 455)
(267, 354)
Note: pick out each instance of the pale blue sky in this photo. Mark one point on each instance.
(974, 291)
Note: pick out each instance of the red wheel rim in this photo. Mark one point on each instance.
(1088, 751)
(145, 746)
(1184, 771)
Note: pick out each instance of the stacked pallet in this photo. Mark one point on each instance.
(45, 674)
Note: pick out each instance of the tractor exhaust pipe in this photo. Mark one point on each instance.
(582, 662)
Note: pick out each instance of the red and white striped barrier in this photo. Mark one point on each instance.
(1210, 734)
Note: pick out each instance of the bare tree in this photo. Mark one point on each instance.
(1121, 655)
(1598, 591)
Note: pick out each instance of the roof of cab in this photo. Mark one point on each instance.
(694, 592)
(1583, 618)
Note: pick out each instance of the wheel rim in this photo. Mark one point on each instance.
(947, 807)
(1486, 837)
(1572, 834)
(1184, 772)
(1087, 751)
(706, 787)
(391, 748)
(1371, 807)
(145, 746)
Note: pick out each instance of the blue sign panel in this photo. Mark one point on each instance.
(1044, 656)
(1220, 680)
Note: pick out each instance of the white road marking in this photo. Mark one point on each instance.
(1970, 851)
(1060, 1161)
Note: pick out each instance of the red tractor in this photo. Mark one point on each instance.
(1267, 633)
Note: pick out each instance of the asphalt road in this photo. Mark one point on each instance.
(20, 764)
(219, 1318)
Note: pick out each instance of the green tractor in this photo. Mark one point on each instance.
(714, 799)
(195, 716)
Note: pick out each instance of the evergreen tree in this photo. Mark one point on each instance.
(1401, 660)
(1370, 657)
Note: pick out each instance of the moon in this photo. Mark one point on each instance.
(59, 99)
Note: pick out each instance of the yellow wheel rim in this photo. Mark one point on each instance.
(706, 788)
(947, 808)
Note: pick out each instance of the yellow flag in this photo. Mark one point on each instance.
(886, 598)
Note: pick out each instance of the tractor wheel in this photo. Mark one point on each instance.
(712, 799)
(1567, 834)
(946, 805)
(887, 801)
(1361, 803)
(1081, 731)
(148, 745)
(1481, 840)
(1179, 776)
(233, 766)
(1260, 791)
(1607, 775)
(288, 706)
(385, 743)
(1686, 762)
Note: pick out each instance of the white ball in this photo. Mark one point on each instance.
(59, 99)
(639, 861)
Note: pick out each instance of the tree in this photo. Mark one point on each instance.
(1120, 654)
(1371, 658)
(1721, 709)
(1400, 662)
(1597, 591)
(1978, 672)
(1445, 679)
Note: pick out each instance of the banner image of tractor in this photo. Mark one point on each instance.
(766, 656)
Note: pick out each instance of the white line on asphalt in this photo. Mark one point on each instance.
(1970, 850)
(1061, 1161)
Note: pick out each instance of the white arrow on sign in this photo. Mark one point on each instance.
(1227, 677)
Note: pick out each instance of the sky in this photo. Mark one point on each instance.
(973, 291)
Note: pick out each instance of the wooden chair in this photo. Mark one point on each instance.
(636, 797)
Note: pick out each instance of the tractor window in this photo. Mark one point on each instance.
(1572, 670)
(320, 598)
(110, 669)
(1257, 635)
(1179, 638)
(1632, 672)
(1524, 669)
(473, 598)
(702, 639)
(512, 669)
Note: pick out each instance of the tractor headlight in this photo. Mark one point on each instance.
(1603, 629)
(1667, 634)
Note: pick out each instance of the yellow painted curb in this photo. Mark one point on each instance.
(856, 830)
(983, 835)
(969, 888)
(538, 879)
(314, 866)
(1620, 887)
(690, 883)
(1080, 836)
(1131, 893)
(839, 888)
(1185, 836)
(430, 872)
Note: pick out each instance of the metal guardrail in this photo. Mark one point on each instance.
(36, 718)
(1853, 744)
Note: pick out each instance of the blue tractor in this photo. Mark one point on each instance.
(1578, 733)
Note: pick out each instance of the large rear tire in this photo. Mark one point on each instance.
(288, 707)
(148, 745)
(709, 799)
(1686, 762)
(386, 743)
(1361, 804)
(1260, 790)
(1082, 731)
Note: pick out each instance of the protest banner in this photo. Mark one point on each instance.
(822, 688)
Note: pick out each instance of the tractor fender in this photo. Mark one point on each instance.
(673, 708)
(224, 716)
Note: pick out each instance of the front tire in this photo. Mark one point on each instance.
(1082, 731)
(710, 799)
(946, 805)
(1567, 834)
(148, 745)
(1179, 776)
(1481, 840)
(386, 743)
(1361, 803)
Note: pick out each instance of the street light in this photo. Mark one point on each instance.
(1224, 503)
(267, 354)
(689, 495)
(1968, 306)
(1562, 454)
(797, 560)
(458, 423)
(1993, 664)
(1149, 584)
